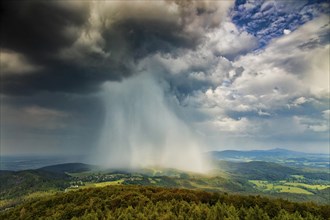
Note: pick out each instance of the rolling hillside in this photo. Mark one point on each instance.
(253, 178)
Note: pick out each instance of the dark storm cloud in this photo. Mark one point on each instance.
(60, 76)
(76, 51)
(47, 121)
(147, 36)
(37, 28)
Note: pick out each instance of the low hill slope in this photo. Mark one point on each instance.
(18, 183)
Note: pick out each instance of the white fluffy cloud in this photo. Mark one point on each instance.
(228, 41)
(301, 59)
(210, 62)
(291, 70)
(264, 94)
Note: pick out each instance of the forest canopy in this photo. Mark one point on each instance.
(140, 202)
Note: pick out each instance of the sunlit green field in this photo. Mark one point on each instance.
(92, 185)
(109, 183)
(298, 176)
(309, 186)
(266, 186)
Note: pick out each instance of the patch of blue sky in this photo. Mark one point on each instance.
(267, 20)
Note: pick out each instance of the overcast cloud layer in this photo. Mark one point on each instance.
(237, 75)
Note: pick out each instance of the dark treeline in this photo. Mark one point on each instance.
(140, 202)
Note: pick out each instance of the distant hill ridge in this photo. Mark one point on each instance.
(276, 152)
(68, 168)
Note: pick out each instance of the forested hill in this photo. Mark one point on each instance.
(140, 202)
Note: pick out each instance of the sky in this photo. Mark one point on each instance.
(78, 76)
